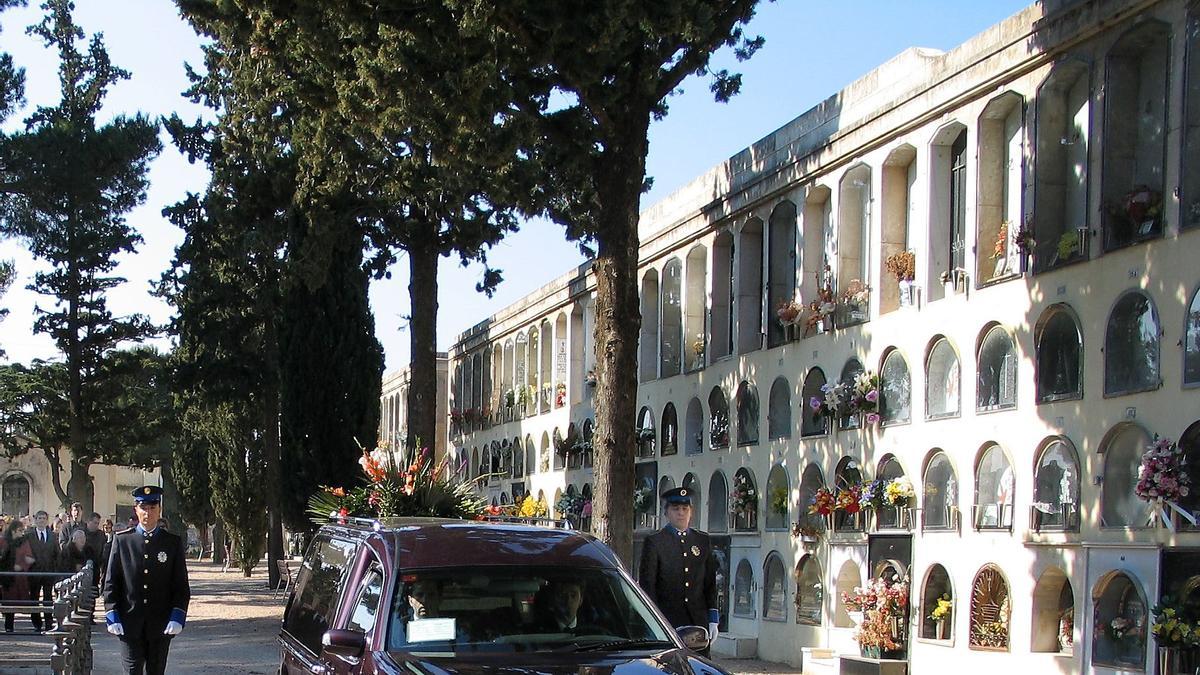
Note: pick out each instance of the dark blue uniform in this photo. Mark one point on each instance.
(145, 587)
(679, 572)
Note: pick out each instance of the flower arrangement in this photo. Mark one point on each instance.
(1066, 628)
(1162, 474)
(698, 345)
(456, 416)
(823, 503)
(870, 495)
(1139, 208)
(857, 294)
(510, 398)
(790, 312)
(1174, 626)
(532, 508)
(1120, 628)
(569, 505)
(743, 498)
(560, 394)
(902, 265)
(643, 499)
(849, 499)
(834, 401)
(864, 396)
(808, 528)
(398, 487)
(779, 501)
(1024, 238)
(1000, 248)
(942, 611)
(881, 601)
(899, 492)
(1068, 245)
(824, 306)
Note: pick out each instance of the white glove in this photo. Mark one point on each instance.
(116, 629)
(173, 628)
(712, 633)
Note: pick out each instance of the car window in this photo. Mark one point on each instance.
(318, 588)
(366, 603)
(518, 609)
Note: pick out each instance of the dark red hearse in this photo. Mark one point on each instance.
(450, 596)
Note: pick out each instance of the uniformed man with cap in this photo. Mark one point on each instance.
(146, 588)
(678, 569)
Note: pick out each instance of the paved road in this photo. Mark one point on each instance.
(231, 628)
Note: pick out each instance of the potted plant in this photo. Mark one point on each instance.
(941, 616)
(903, 266)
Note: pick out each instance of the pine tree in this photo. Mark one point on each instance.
(68, 184)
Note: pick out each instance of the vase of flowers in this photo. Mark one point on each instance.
(864, 397)
(941, 617)
(855, 302)
(883, 604)
(1164, 482)
(1176, 629)
(560, 394)
(743, 499)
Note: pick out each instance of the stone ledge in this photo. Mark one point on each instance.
(734, 646)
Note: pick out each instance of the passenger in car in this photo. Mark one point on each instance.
(561, 602)
(425, 598)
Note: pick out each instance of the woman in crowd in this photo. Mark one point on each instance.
(19, 558)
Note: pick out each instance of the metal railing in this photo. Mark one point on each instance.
(72, 606)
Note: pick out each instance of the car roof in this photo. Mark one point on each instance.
(437, 542)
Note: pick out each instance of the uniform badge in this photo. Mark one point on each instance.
(162, 556)
(696, 551)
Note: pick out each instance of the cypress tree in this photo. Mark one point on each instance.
(331, 368)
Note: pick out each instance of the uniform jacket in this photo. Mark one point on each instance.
(46, 554)
(679, 573)
(146, 582)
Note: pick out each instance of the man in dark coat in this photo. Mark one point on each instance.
(146, 589)
(678, 570)
(43, 541)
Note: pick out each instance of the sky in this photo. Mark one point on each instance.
(813, 49)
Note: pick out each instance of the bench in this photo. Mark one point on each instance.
(286, 576)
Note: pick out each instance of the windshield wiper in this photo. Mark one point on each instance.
(622, 644)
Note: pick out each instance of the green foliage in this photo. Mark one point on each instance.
(331, 367)
(7, 273)
(67, 185)
(12, 79)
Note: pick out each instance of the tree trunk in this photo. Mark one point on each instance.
(79, 485)
(270, 427)
(205, 543)
(218, 541)
(421, 429)
(53, 457)
(618, 322)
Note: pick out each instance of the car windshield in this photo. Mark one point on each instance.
(520, 609)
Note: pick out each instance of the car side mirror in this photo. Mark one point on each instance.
(338, 642)
(694, 638)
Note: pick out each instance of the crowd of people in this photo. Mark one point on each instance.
(40, 543)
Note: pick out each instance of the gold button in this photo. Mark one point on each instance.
(685, 569)
(148, 571)
(687, 583)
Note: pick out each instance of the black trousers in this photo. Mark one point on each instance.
(145, 654)
(43, 588)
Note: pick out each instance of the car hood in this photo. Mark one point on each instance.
(671, 661)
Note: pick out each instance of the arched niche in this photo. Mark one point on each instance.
(670, 348)
(646, 435)
(998, 211)
(1131, 345)
(693, 439)
(721, 338)
(1121, 452)
(1118, 597)
(1062, 108)
(1053, 619)
(743, 590)
(774, 601)
(718, 510)
(942, 380)
(939, 509)
(849, 577)
(779, 410)
(692, 483)
(991, 610)
(847, 475)
(777, 498)
(744, 500)
(947, 211)
(899, 180)
(1059, 345)
(994, 489)
(749, 282)
(670, 431)
(810, 597)
(718, 426)
(648, 339)
(747, 413)
(1056, 486)
(895, 389)
(996, 376)
(811, 422)
(781, 267)
(695, 308)
(937, 590)
(853, 244)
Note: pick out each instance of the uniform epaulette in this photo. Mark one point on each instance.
(124, 531)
